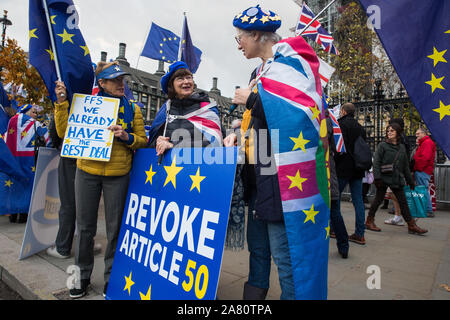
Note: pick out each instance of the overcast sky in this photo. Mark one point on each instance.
(106, 23)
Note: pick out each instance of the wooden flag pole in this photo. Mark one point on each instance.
(52, 40)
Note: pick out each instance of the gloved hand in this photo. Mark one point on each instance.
(378, 183)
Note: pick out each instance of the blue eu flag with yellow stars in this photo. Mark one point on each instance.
(173, 231)
(70, 49)
(189, 54)
(416, 37)
(163, 45)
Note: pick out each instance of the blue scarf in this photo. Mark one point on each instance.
(126, 112)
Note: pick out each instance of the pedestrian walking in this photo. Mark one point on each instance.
(391, 169)
(346, 170)
(424, 161)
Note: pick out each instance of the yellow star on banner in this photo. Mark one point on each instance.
(172, 172)
(50, 52)
(66, 36)
(300, 142)
(315, 111)
(108, 144)
(311, 215)
(24, 134)
(443, 110)
(128, 284)
(33, 169)
(52, 19)
(264, 19)
(8, 183)
(32, 34)
(11, 131)
(245, 18)
(196, 180)
(297, 181)
(67, 141)
(86, 50)
(327, 229)
(435, 83)
(150, 173)
(146, 296)
(437, 56)
(253, 20)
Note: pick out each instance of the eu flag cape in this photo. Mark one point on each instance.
(416, 37)
(71, 50)
(291, 94)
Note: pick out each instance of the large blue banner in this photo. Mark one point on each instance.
(174, 225)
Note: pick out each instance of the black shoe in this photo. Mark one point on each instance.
(13, 218)
(344, 254)
(23, 217)
(78, 293)
(105, 288)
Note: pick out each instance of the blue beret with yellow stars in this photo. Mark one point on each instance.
(255, 18)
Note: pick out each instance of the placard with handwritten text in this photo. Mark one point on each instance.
(87, 135)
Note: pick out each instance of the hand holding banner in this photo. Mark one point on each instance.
(174, 226)
(87, 135)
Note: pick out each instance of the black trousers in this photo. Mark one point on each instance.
(67, 212)
(399, 193)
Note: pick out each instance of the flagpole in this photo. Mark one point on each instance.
(145, 40)
(316, 17)
(52, 40)
(181, 40)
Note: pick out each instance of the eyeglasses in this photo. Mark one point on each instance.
(181, 79)
(238, 38)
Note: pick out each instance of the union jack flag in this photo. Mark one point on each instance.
(21, 135)
(338, 137)
(16, 181)
(291, 94)
(315, 31)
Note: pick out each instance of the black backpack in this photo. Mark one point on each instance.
(362, 155)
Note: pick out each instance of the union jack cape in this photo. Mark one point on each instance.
(291, 94)
(206, 120)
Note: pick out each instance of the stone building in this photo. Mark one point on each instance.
(146, 89)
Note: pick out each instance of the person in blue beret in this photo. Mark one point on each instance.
(194, 117)
(266, 233)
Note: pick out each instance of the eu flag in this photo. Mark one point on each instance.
(189, 54)
(4, 103)
(416, 37)
(71, 51)
(13, 180)
(161, 44)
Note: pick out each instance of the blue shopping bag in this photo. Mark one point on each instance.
(417, 201)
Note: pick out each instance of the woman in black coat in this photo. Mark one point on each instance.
(392, 152)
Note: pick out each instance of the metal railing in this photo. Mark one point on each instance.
(442, 182)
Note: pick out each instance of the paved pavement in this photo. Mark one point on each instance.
(411, 267)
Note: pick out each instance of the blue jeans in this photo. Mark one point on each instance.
(357, 200)
(423, 179)
(338, 226)
(266, 240)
